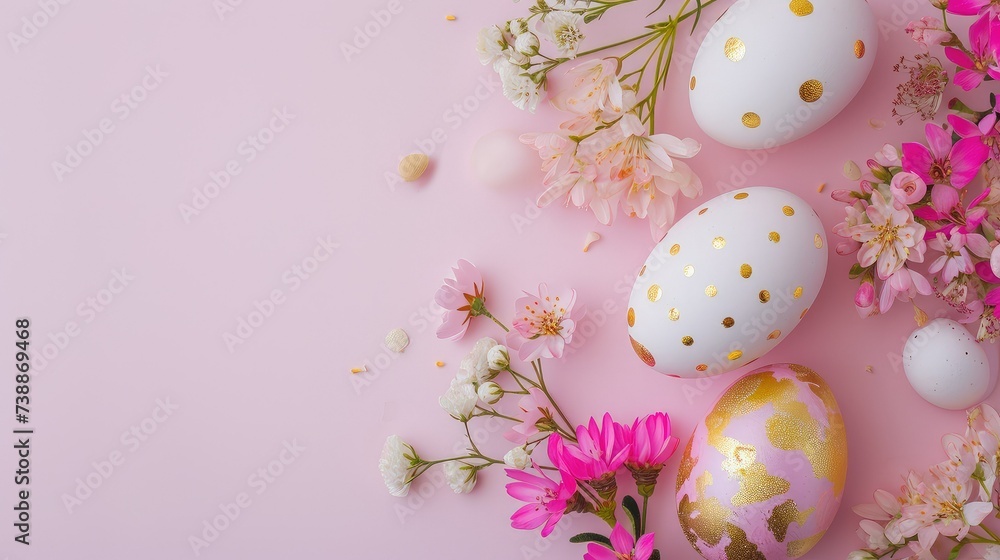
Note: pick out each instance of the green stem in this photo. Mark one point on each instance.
(645, 503)
(486, 313)
(541, 385)
(492, 412)
(995, 537)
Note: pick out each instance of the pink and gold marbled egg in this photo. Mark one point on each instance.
(763, 475)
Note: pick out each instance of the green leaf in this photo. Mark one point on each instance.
(957, 550)
(591, 537)
(856, 271)
(632, 510)
(697, 18)
(662, 2)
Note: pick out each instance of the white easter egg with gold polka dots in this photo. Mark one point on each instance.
(728, 283)
(772, 71)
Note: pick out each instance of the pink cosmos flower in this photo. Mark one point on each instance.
(908, 188)
(624, 546)
(462, 298)
(547, 500)
(544, 325)
(955, 259)
(600, 450)
(891, 238)
(944, 163)
(904, 285)
(984, 36)
(533, 407)
(973, 7)
(928, 31)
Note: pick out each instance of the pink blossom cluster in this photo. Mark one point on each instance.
(946, 506)
(922, 222)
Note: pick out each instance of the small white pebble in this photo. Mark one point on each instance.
(852, 171)
(396, 340)
(876, 124)
(592, 238)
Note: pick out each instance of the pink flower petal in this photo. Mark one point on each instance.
(967, 158)
(621, 539)
(918, 159)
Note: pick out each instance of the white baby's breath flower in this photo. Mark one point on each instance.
(476, 365)
(396, 465)
(460, 399)
(516, 58)
(490, 44)
(490, 392)
(563, 29)
(527, 44)
(517, 458)
(460, 476)
(518, 87)
(498, 358)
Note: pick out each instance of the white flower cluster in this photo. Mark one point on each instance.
(512, 48)
(475, 380)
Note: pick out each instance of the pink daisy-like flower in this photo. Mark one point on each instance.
(544, 325)
(462, 298)
(547, 500)
(624, 547)
(984, 36)
(944, 163)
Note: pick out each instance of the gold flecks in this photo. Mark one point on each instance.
(675, 249)
(675, 314)
(774, 237)
(741, 196)
(740, 546)
(689, 270)
(643, 353)
(702, 367)
(694, 82)
(746, 270)
(818, 241)
(788, 210)
(687, 463)
(631, 317)
(719, 242)
(782, 517)
(702, 211)
(751, 119)
(358, 370)
(765, 296)
(801, 8)
(642, 270)
(711, 290)
(687, 341)
(728, 322)
(774, 334)
(804, 311)
(735, 49)
(439, 363)
(820, 188)
(654, 293)
(705, 519)
(800, 547)
(735, 355)
(859, 48)
(798, 292)
(450, 17)
(811, 90)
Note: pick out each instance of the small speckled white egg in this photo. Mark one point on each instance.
(772, 71)
(946, 366)
(727, 283)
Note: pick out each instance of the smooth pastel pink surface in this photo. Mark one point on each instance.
(319, 190)
(809, 492)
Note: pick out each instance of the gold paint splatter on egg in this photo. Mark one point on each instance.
(788, 210)
(702, 211)
(689, 271)
(719, 242)
(741, 196)
(694, 81)
(751, 120)
(687, 341)
(859, 48)
(675, 314)
(774, 237)
(746, 270)
(675, 249)
(804, 311)
(711, 290)
(800, 547)
(631, 317)
(774, 335)
(798, 292)
(735, 355)
(643, 353)
(702, 367)
(642, 270)
(811, 90)
(654, 293)
(783, 515)
(728, 322)
(801, 8)
(765, 296)
(735, 49)
(818, 241)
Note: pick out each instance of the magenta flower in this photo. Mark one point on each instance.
(598, 454)
(533, 407)
(984, 35)
(547, 500)
(624, 546)
(944, 163)
(544, 324)
(650, 443)
(462, 298)
(973, 7)
(945, 207)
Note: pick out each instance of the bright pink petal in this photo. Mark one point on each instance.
(968, 79)
(959, 56)
(967, 158)
(966, 7)
(918, 159)
(599, 552)
(944, 198)
(963, 127)
(621, 539)
(938, 140)
(644, 547)
(528, 517)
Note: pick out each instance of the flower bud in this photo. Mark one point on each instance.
(517, 458)
(864, 299)
(460, 476)
(498, 358)
(518, 27)
(490, 392)
(527, 44)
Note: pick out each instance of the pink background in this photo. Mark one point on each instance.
(323, 176)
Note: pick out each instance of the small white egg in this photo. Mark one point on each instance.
(946, 366)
